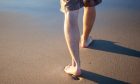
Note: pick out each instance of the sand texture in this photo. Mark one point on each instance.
(33, 48)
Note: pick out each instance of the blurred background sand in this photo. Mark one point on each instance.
(33, 48)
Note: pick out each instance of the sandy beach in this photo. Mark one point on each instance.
(33, 48)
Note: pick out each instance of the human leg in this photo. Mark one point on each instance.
(70, 9)
(88, 21)
(72, 37)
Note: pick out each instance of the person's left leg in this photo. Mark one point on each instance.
(72, 36)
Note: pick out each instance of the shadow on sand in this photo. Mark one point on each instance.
(109, 46)
(99, 78)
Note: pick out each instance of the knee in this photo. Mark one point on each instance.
(72, 18)
(90, 9)
(72, 14)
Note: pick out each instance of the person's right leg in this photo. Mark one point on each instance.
(88, 21)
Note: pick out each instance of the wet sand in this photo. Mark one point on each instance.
(33, 48)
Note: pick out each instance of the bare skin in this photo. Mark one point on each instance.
(72, 36)
(88, 21)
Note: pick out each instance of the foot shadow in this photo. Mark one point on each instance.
(100, 79)
(109, 46)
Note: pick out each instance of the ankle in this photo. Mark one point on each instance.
(84, 38)
(77, 66)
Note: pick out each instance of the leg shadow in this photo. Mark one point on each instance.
(99, 78)
(109, 46)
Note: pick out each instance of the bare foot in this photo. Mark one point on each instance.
(69, 69)
(85, 44)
